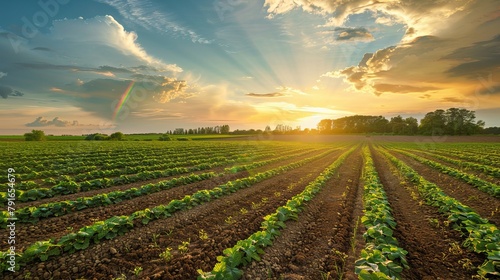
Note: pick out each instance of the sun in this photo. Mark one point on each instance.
(311, 121)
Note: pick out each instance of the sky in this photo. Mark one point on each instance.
(136, 66)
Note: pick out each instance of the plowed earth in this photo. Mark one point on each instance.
(323, 243)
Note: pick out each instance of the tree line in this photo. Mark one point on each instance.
(219, 129)
(453, 121)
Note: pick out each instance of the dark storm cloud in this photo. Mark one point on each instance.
(6, 91)
(479, 59)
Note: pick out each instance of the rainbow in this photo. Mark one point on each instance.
(123, 99)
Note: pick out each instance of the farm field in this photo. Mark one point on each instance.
(339, 208)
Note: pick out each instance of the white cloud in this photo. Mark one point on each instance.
(422, 15)
(143, 13)
(2, 74)
(442, 56)
(100, 32)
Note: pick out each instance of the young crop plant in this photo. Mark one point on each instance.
(247, 250)
(382, 258)
(481, 235)
(184, 247)
(203, 234)
(137, 271)
(166, 255)
(119, 225)
(482, 185)
(229, 220)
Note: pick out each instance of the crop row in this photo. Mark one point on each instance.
(115, 157)
(71, 187)
(481, 236)
(102, 157)
(119, 225)
(473, 180)
(247, 250)
(33, 214)
(87, 169)
(131, 173)
(492, 171)
(116, 168)
(382, 258)
(470, 156)
(66, 184)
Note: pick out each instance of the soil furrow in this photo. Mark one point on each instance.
(468, 170)
(55, 227)
(432, 246)
(484, 204)
(133, 250)
(318, 243)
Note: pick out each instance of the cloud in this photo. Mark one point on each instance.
(87, 64)
(281, 91)
(447, 60)
(353, 34)
(453, 99)
(401, 88)
(143, 13)
(6, 91)
(157, 114)
(273, 94)
(423, 16)
(41, 122)
(479, 59)
(103, 32)
(42, 49)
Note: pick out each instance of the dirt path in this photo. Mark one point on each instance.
(431, 250)
(318, 242)
(484, 204)
(141, 247)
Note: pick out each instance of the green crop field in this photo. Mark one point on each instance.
(341, 208)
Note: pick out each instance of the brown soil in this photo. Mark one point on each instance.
(317, 243)
(482, 203)
(430, 255)
(474, 172)
(137, 249)
(56, 227)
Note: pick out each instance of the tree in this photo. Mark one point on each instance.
(461, 122)
(325, 125)
(411, 126)
(97, 136)
(267, 130)
(116, 136)
(453, 121)
(35, 135)
(165, 137)
(434, 123)
(397, 125)
(224, 129)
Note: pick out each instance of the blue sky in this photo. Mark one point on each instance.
(66, 65)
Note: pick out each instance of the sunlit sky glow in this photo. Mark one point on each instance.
(66, 67)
